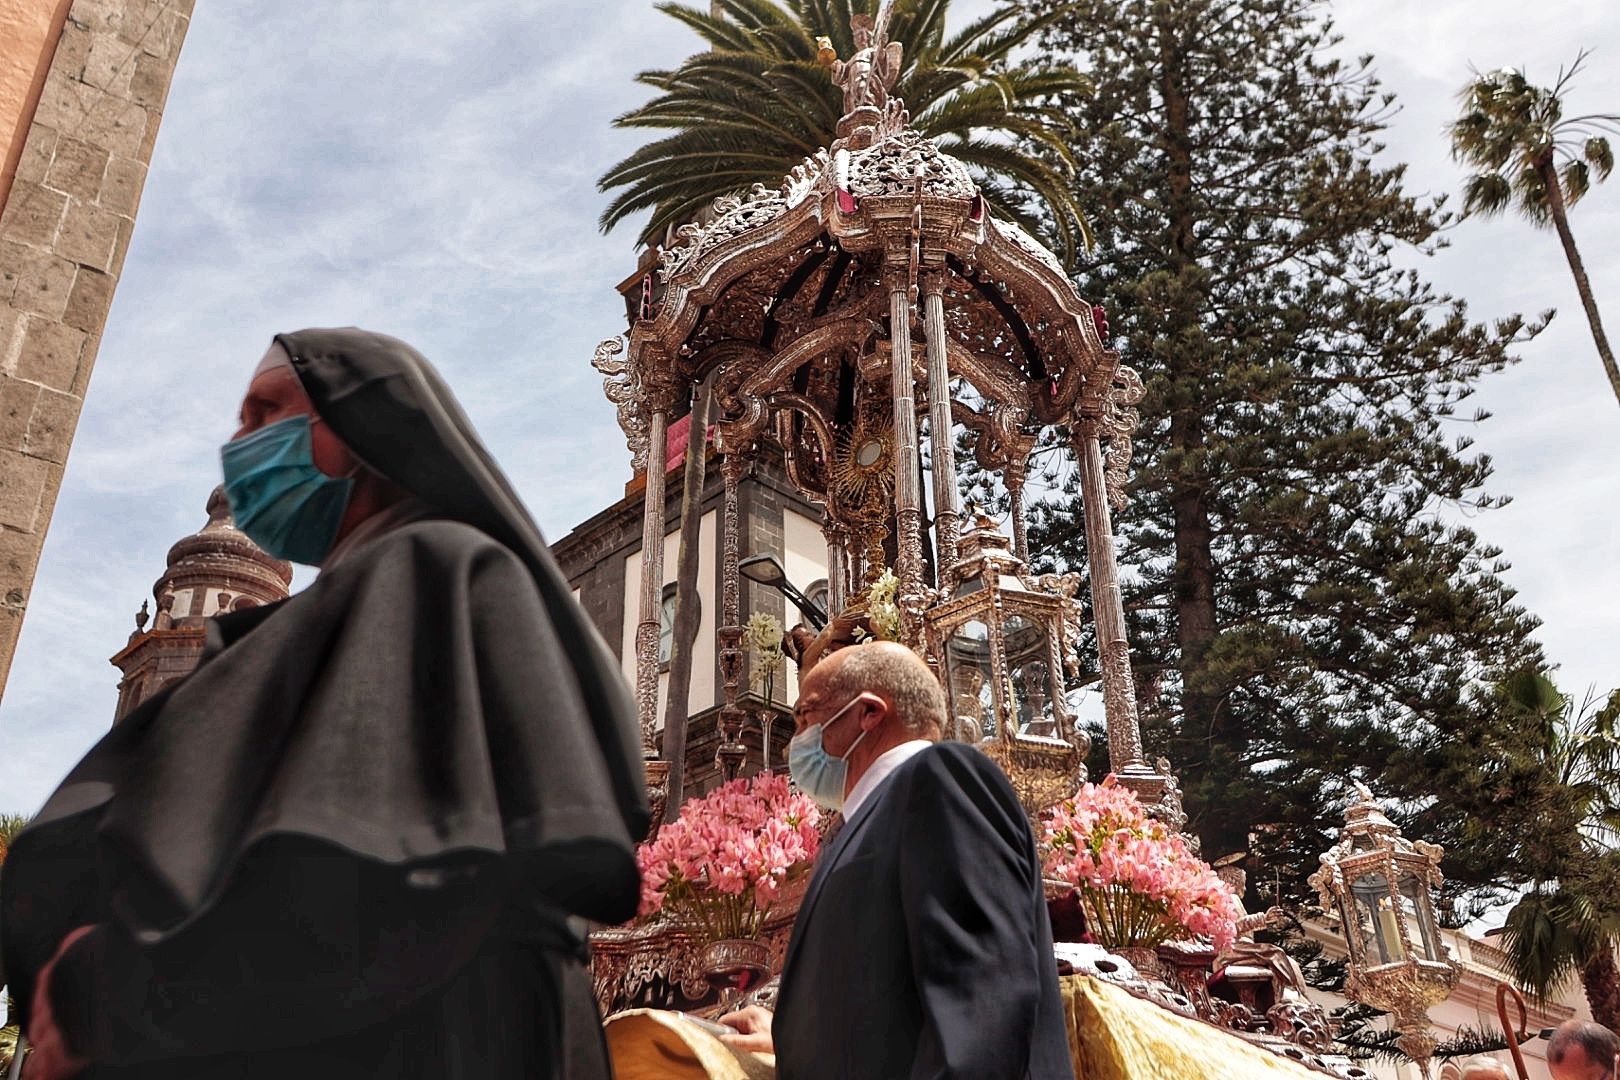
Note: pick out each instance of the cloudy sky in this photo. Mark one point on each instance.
(428, 169)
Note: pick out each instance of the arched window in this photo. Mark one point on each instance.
(820, 595)
(666, 623)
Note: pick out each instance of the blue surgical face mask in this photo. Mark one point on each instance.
(278, 497)
(818, 774)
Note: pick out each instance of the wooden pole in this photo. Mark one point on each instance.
(677, 707)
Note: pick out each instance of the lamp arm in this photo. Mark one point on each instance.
(807, 607)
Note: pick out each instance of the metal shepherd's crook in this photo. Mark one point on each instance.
(17, 1053)
(1514, 1037)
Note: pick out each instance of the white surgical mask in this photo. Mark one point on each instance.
(820, 775)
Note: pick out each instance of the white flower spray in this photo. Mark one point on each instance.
(762, 636)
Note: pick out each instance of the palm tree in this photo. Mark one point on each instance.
(760, 101)
(1530, 154)
(1563, 768)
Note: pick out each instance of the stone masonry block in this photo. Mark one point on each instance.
(102, 16)
(121, 187)
(13, 256)
(72, 50)
(35, 161)
(115, 124)
(33, 215)
(50, 353)
(17, 400)
(47, 497)
(62, 104)
(22, 485)
(154, 117)
(167, 31)
(126, 230)
(88, 235)
(149, 83)
(77, 169)
(87, 363)
(138, 19)
(50, 429)
(88, 302)
(18, 550)
(110, 65)
(11, 327)
(48, 494)
(44, 284)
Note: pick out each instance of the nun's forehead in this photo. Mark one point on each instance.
(275, 356)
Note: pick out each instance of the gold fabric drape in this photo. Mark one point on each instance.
(1114, 1036)
(653, 1044)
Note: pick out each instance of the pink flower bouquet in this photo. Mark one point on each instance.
(720, 866)
(1139, 883)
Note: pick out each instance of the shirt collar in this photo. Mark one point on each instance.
(879, 771)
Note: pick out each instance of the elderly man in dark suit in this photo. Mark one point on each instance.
(922, 947)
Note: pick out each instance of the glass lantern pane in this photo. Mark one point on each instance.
(1027, 648)
(1358, 931)
(1375, 905)
(968, 673)
(1418, 908)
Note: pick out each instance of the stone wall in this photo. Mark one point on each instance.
(64, 231)
(28, 33)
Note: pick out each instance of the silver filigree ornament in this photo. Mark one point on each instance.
(622, 386)
(893, 166)
(1016, 235)
(734, 217)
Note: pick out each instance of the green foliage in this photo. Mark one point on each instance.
(10, 826)
(1517, 136)
(1303, 604)
(758, 103)
(1545, 780)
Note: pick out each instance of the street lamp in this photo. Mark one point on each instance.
(766, 570)
(1381, 886)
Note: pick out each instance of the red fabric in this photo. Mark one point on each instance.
(675, 441)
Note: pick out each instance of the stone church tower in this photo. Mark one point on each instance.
(82, 90)
(213, 571)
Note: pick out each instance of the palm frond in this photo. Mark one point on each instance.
(754, 105)
(1597, 153)
(1509, 125)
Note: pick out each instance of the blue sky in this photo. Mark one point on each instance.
(432, 175)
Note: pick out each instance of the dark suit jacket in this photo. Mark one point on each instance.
(922, 947)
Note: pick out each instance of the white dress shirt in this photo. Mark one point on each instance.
(879, 771)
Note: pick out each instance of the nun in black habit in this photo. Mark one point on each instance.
(359, 839)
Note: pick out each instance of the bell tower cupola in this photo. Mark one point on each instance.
(211, 572)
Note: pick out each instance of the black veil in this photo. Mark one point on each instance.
(391, 408)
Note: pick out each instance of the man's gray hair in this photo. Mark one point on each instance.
(898, 674)
(1482, 1067)
(1597, 1043)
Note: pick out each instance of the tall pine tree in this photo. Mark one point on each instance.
(1306, 606)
